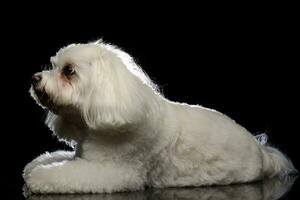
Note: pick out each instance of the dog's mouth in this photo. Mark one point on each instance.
(43, 98)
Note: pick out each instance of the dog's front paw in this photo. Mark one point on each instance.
(41, 180)
(40, 160)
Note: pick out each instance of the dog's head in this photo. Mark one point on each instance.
(95, 81)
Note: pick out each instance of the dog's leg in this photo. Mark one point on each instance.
(81, 176)
(46, 159)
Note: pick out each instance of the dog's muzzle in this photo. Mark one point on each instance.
(35, 82)
(39, 91)
(36, 79)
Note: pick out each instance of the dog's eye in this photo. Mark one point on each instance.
(68, 70)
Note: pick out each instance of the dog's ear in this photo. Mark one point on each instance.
(119, 97)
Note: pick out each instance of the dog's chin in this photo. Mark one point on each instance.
(44, 100)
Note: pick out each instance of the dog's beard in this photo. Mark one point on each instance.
(44, 100)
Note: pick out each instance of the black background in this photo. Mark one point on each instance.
(241, 62)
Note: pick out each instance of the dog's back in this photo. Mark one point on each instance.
(209, 148)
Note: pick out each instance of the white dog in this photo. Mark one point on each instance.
(127, 136)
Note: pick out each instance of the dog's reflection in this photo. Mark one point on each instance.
(271, 189)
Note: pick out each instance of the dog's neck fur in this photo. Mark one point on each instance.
(111, 141)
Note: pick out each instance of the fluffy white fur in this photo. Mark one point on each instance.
(127, 136)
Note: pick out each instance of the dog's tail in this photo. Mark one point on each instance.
(275, 163)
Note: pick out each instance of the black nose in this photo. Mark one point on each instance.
(36, 79)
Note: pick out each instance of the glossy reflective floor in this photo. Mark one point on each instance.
(272, 189)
